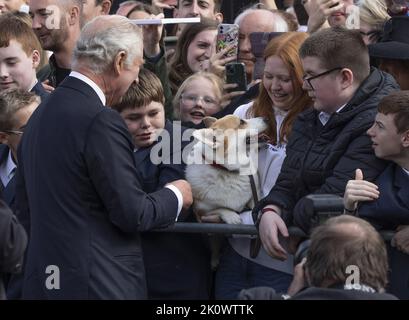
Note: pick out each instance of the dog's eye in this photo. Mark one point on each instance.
(242, 122)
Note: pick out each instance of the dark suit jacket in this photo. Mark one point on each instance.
(392, 207)
(81, 200)
(9, 192)
(39, 90)
(388, 212)
(177, 265)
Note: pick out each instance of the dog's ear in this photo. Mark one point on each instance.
(208, 137)
(208, 121)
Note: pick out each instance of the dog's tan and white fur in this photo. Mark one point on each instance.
(222, 186)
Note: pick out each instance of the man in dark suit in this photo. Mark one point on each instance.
(16, 107)
(386, 202)
(77, 187)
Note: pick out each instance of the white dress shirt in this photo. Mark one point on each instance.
(7, 170)
(324, 116)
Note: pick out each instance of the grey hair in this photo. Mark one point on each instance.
(280, 25)
(103, 38)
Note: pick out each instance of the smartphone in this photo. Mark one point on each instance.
(259, 41)
(236, 73)
(227, 35)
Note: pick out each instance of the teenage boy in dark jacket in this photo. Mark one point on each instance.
(177, 266)
(329, 141)
(385, 203)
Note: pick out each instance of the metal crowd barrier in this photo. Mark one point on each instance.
(323, 205)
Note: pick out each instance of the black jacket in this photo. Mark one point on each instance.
(321, 159)
(13, 241)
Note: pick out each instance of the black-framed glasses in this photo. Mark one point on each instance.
(308, 79)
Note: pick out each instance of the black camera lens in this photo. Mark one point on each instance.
(302, 251)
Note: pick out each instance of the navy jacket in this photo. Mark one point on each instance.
(177, 265)
(392, 207)
(81, 201)
(389, 211)
(39, 90)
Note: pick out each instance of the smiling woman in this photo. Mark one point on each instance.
(195, 45)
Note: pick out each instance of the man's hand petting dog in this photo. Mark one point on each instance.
(270, 224)
(186, 191)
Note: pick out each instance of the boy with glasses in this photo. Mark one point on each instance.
(16, 107)
(329, 141)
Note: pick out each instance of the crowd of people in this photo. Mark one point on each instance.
(85, 92)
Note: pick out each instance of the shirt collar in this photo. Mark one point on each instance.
(7, 169)
(91, 83)
(324, 116)
(10, 166)
(407, 171)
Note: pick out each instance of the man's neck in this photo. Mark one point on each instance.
(63, 57)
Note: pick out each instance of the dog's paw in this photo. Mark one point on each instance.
(230, 217)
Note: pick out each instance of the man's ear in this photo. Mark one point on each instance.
(105, 7)
(208, 121)
(119, 62)
(219, 17)
(347, 78)
(405, 139)
(35, 56)
(74, 15)
(4, 138)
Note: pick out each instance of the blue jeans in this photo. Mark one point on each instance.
(235, 273)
